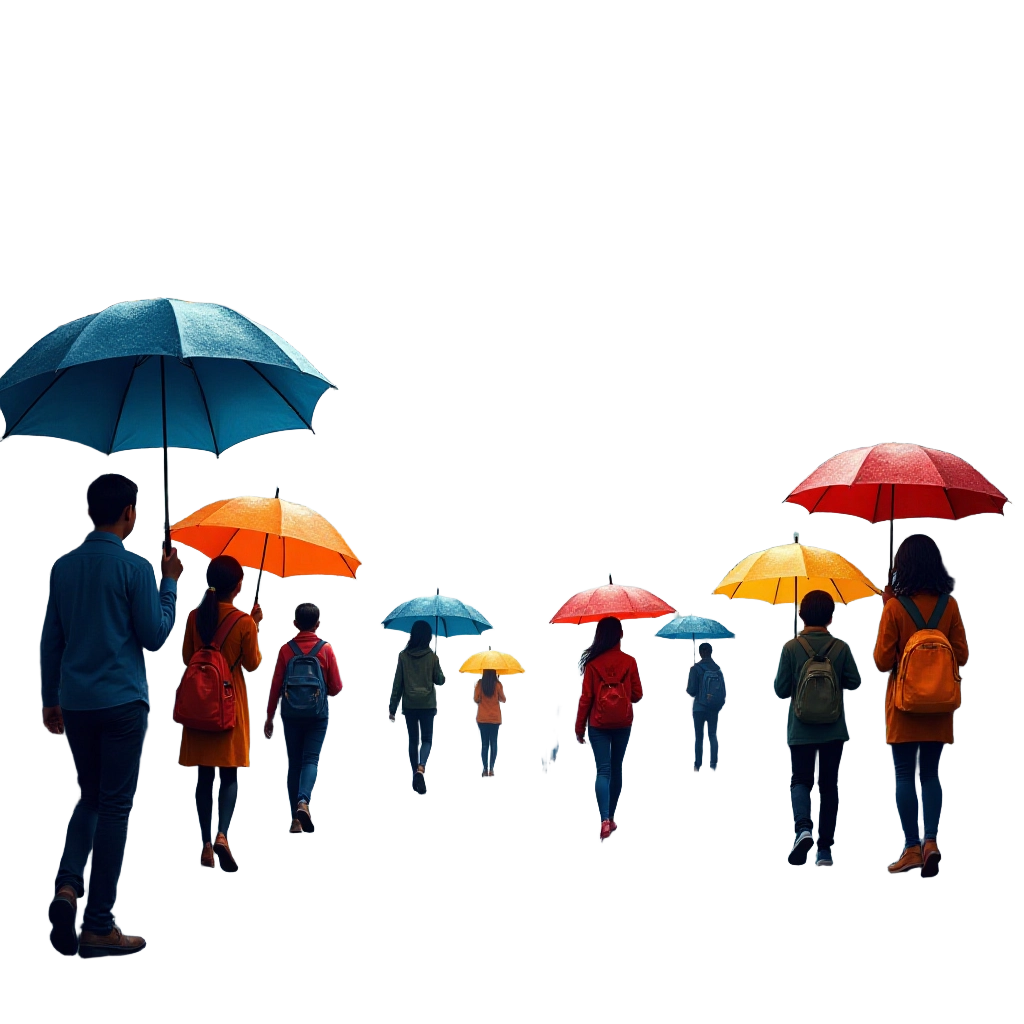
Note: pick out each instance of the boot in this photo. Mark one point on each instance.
(63, 911)
(206, 858)
(302, 814)
(909, 859)
(930, 856)
(114, 944)
(223, 851)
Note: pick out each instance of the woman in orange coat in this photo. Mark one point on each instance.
(228, 750)
(919, 575)
(489, 697)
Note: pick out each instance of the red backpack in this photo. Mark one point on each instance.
(613, 708)
(206, 699)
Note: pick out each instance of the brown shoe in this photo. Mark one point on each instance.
(223, 851)
(909, 859)
(114, 944)
(63, 910)
(931, 856)
(302, 813)
(206, 858)
(296, 825)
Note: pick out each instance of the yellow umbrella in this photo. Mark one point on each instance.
(787, 572)
(503, 664)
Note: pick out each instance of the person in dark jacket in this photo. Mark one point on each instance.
(822, 739)
(417, 675)
(706, 705)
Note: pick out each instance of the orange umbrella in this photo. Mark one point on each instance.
(268, 533)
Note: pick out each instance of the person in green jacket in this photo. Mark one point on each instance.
(823, 738)
(416, 677)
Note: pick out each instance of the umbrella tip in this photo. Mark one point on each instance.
(609, 579)
(437, 592)
(488, 647)
(277, 492)
(796, 538)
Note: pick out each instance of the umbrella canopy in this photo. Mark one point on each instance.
(503, 664)
(898, 481)
(449, 616)
(786, 573)
(621, 602)
(693, 627)
(268, 533)
(160, 373)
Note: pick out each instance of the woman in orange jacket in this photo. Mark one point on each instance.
(489, 697)
(918, 575)
(228, 750)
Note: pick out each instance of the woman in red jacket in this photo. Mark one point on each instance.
(611, 686)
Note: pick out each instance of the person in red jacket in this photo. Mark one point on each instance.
(611, 686)
(304, 737)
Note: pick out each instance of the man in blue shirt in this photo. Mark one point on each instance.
(104, 608)
(706, 685)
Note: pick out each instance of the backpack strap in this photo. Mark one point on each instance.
(295, 649)
(225, 628)
(914, 612)
(317, 647)
(940, 608)
(808, 649)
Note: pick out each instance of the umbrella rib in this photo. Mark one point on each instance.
(120, 411)
(238, 530)
(838, 591)
(206, 407)
(821, 498)
(277, 391)
(35, 402)
(778, 583)
(878, 498)
(952, 510)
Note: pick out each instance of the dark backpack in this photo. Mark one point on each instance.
(817, 698)
(712, 689)
(304, 691)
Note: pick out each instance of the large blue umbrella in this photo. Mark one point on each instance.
(450, 617)
(160, 373)
(694, 627)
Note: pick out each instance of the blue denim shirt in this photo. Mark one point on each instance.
(104, 608)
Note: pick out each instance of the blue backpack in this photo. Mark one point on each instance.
(304, 691)
(712, 689)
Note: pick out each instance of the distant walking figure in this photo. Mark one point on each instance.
(814, 670)
(416, 678)
(611, 686)
(218, 622)
(489, 696)
(921, 644)
(305, 676)
(706, 685)
(104, 608)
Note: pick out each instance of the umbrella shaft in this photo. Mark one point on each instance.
(167, 500)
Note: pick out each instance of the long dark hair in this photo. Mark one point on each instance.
(223, 574)
(606, 636)
(419, 636)
(489, 682)
(918, 568)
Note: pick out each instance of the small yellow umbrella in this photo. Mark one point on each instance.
(788, 572)
(503, 664)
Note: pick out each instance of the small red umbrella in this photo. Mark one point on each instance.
(622, 602)
(898, 481)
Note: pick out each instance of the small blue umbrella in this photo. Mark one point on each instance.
(160, 373)
(449, 615)
(694, 627)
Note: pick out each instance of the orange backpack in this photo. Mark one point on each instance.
(928, 678)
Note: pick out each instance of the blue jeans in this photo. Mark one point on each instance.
(702, 714)
(904, 756)
(800, 783)
(609, 747)
(420, 721)
(106, 745)
(303, 737)
(488, 742)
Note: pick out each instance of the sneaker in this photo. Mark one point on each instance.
(296, 826)
(63, 910)
(419, 783)
(490, 772)
(930, 857)
(823, 859)
(484, 774)
(606, 830)
(909, 859)
(302, 816)
(114, 944)
(206, 857)
(611, 822)
(804, 841)
(696, 767)
(714, 767)
(223, 851)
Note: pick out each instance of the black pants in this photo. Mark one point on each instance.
(488, 742)
(420, 723)
(702, 714)
(800, 785)
(226, 798)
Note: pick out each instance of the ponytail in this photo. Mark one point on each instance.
(223, 575)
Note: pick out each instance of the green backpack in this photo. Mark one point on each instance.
(818, 698)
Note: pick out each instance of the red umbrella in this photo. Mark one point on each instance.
(622, 602)
(898, 481)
